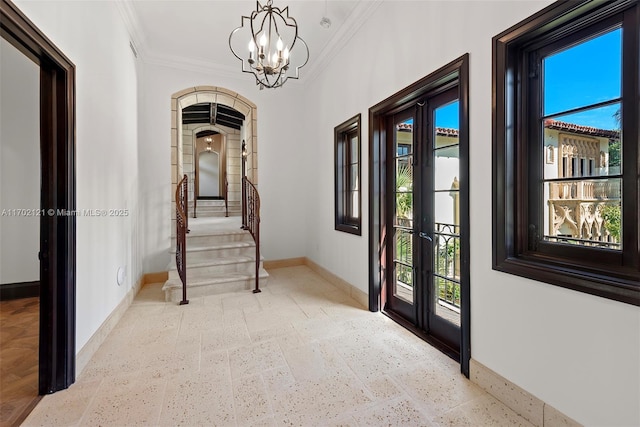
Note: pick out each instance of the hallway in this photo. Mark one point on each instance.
(299, 353)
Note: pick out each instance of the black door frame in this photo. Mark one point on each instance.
(456, 72)
(57, 355)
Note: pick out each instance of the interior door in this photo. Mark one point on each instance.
(423, 283)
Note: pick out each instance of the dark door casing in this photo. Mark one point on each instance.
(57, 231)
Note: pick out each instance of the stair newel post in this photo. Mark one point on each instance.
(243, 187)
(181, 235)
(257, 240)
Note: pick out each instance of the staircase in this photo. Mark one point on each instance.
(220, 258)
(215, 208)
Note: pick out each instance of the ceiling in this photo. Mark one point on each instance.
(188, 33)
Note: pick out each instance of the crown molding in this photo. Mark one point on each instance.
(132, 24)
(358, 16)
(190, 64)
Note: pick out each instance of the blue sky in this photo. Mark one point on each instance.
(581, 75)
(585, 74)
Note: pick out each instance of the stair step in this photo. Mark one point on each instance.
(213, 267)
(228, 282)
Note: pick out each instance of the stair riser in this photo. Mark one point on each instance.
(198, 272)
(208, 255)
(195, 241)
(175, 294)
(216, 214)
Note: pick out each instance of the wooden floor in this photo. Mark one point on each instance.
(19, 320)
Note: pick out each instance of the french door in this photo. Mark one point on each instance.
(423, 213)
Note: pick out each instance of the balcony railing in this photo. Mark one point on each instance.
(585, 190)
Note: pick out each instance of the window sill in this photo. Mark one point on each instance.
(624, 289)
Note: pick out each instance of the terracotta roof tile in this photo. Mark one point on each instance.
(585, 130)
(406, 127)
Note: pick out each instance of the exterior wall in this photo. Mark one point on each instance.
(94, 37)
(577, 352)
(19, 166)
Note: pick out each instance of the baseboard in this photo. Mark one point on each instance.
(361, 297)
(525, 404)
(89, 349)
(11, 291)
(159, 277)
(283, 263)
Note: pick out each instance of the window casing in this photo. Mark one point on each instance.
(547, 172)
(347, 176)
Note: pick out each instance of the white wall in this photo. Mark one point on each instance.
(282, 174)
(19, 166)
(579, 353)
(93, 36)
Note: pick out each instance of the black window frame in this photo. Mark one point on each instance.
(517, 248)
(344, 220)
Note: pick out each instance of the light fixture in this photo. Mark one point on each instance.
(265, 43)
(208, 140)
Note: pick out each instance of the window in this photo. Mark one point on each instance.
(566, 82)
(347, 176)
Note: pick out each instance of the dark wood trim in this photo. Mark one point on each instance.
(340, 135)
(514, 250)
(452, 74)
(9, 291)
(57, 233)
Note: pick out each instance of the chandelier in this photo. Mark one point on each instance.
(265, 42)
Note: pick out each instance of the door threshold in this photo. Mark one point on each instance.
(430, 339)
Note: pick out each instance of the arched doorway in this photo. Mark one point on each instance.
(231, 115)
(209, 174)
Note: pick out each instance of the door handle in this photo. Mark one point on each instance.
(425, 236)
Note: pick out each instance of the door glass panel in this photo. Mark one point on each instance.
(446, 206)
(403, 218)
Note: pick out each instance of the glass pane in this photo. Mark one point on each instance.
(448, 300)
(588, 143)
(404, 192)
(353, 141)
(404, 138)
(355, 185)
(585, 74)
(585, 212)
(355, 206)
(447, 120)
(447, 207)
(404, 283)
(446, 168)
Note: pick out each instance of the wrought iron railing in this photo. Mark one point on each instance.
(583, 242)
(182, 228)
(226, 197)
(251, 220)
(447, 263)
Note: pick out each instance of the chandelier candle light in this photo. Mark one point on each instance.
(268, 37)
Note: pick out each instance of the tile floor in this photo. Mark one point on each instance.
(300, 353)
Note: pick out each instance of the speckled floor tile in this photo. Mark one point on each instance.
(198, 399)
(483, 411)
(251, 400)
(301, 353)
(255, 358)
(400, 412)
(125, 400)
(437, 390)
(74, 400)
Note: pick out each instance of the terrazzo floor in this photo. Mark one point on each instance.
(301, 353)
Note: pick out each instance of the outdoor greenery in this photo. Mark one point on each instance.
(612, 216)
